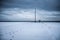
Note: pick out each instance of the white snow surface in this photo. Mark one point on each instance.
(29, 31)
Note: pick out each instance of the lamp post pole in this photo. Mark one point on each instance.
(35, 14)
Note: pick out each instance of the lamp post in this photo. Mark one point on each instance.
(35, 14)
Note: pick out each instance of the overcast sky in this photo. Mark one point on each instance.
(25, 9)
(40, 4)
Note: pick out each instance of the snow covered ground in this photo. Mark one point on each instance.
(29, 31)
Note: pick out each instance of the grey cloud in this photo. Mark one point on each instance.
(16, 14)
(52, 5)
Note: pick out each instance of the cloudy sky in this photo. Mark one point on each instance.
(17, 10)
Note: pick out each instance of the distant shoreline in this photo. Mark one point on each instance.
(29, 21)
